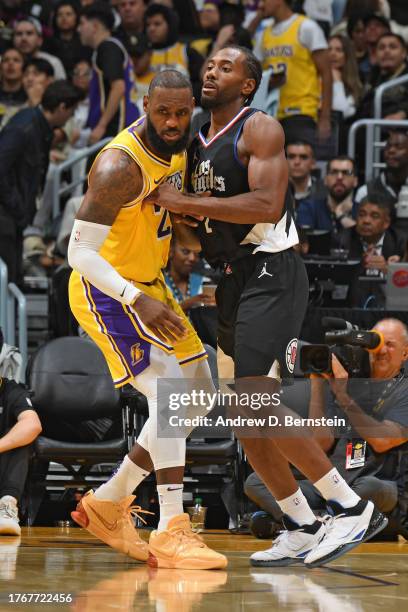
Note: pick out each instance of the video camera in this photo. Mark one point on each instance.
(350, 345)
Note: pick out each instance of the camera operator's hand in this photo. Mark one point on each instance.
(338, 382)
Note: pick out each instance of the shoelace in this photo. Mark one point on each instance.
(135, 511)
(185, 532)
(329, 522)
(8, 511)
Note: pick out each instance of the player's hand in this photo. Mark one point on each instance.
(160, 319)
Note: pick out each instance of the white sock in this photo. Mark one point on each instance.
(171, 503)
(333, 486)
(297, 508)
(123, 482)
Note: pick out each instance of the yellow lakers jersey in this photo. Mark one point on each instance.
(138, 244)
(174, 57)
(300, 94)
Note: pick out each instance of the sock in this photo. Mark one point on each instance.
(297, 508)
(123, 482)
(171, 503)
(333, 486)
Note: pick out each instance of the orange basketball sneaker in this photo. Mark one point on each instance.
(112, 523)
(179, 547)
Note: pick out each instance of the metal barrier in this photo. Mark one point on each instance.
(372, 163)
(378, 99)
(3, 297)
(77, 178)
(16, 296)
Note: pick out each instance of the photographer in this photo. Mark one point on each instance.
(367, 453)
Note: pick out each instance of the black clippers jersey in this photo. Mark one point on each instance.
(214, 166)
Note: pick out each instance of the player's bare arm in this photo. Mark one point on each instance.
(115, 180)
(261, 148)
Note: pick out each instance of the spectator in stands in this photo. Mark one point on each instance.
(301, 162)
(162, 30)
(142, 54)
(392, 181)
(12, 94)
(375, 25)
(391, 64)
(347, 88)
(185, 285)
(376, 244)
(334, 212)
(19, 427)
(25, 145)
(132, 23)
(66, 43)
(296, 48)
(38, 74)
(28, 39)
(371, 465)
(355, 30)
(220, 26)
(107, 113)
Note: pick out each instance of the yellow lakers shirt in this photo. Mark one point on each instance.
(139, 241)
(301, 91)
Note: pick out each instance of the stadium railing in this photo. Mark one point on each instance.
(373, 145)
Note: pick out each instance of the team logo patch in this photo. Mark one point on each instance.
(136, 354)
(77, 236)
(291, 351)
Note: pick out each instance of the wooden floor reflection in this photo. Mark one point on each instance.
(374, 577)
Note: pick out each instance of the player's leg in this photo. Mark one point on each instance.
(283, 303)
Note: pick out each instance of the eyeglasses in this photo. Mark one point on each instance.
(336, 171)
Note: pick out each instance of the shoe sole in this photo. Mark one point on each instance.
(372, 530)
(160, 563)
(81, 517)
(10, 531)
(278, 563)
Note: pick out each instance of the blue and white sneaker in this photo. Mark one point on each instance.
(346, 529)
(291, 546)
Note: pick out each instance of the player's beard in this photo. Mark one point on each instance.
(163, 147)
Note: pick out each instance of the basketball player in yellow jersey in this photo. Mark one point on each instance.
(118, 246)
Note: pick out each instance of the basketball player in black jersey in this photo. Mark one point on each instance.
(248, 229)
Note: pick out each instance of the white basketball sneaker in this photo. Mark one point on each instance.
(291, 546)
(346, 529)
(9, 524)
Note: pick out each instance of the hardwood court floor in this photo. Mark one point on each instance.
(50, 560)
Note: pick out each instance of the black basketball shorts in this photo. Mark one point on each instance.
(262, 302)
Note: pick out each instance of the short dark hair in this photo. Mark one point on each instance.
(170, 79)
(41, 64)
(393, 35)
(101, 12)
(300, 143)
(342, 158)
(60, 92)
(253, 67)
(377, 199)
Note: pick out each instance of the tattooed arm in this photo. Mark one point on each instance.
(115, 180)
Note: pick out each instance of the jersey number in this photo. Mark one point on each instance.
(164, 228)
